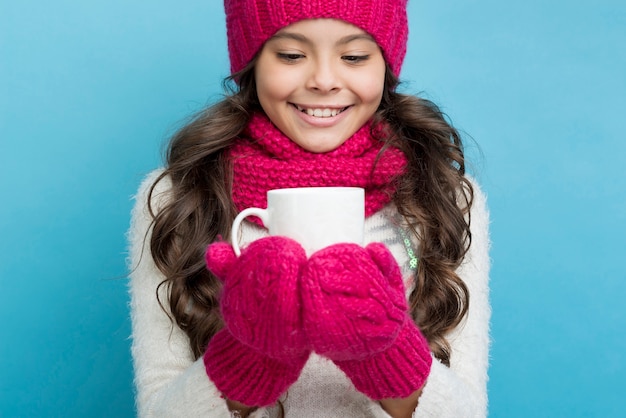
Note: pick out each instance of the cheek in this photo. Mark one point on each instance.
(372, 92)
(371, 87)
(267, 88)
(275, 85)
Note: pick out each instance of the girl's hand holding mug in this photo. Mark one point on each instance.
(356, 314)
(262, 348)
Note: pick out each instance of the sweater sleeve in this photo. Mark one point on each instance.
(461, 390)
(168, 381)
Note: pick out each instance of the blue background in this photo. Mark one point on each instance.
(90, 91)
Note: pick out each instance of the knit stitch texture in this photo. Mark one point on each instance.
(265, 159)
(260, 300)
(262, 350)
(353, 300)
(356, 314)
(249, 23)
(246, 375)
(396, 372)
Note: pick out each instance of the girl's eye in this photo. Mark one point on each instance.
(289, 57)
(355, 59)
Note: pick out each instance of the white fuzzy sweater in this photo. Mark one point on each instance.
(170, 383)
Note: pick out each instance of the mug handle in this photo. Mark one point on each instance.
(234, 235)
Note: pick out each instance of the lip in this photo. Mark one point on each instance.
(318, 121)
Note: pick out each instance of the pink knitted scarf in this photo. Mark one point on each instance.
(265, 159)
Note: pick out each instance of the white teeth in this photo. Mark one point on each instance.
(320, 113)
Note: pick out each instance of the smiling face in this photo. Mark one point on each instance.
(319, 81)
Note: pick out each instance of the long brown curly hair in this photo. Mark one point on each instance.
(434, 197)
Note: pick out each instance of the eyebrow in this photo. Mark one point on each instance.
(301, 38)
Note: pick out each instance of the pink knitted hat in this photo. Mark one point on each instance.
(249, 23)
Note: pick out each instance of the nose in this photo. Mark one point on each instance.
(324, 77)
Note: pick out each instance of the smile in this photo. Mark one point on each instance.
(325, 112)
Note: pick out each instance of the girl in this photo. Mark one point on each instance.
(396, 328)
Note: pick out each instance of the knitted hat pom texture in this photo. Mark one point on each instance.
(249, 23)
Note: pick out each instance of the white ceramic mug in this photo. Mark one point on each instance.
(315, 217)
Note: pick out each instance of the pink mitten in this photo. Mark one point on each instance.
(260, 300)
(262, 350)
(356, 314)
(246, 375)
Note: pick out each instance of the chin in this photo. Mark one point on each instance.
(318, 148)
(322, 145)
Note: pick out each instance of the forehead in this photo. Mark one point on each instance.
(323, 29)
